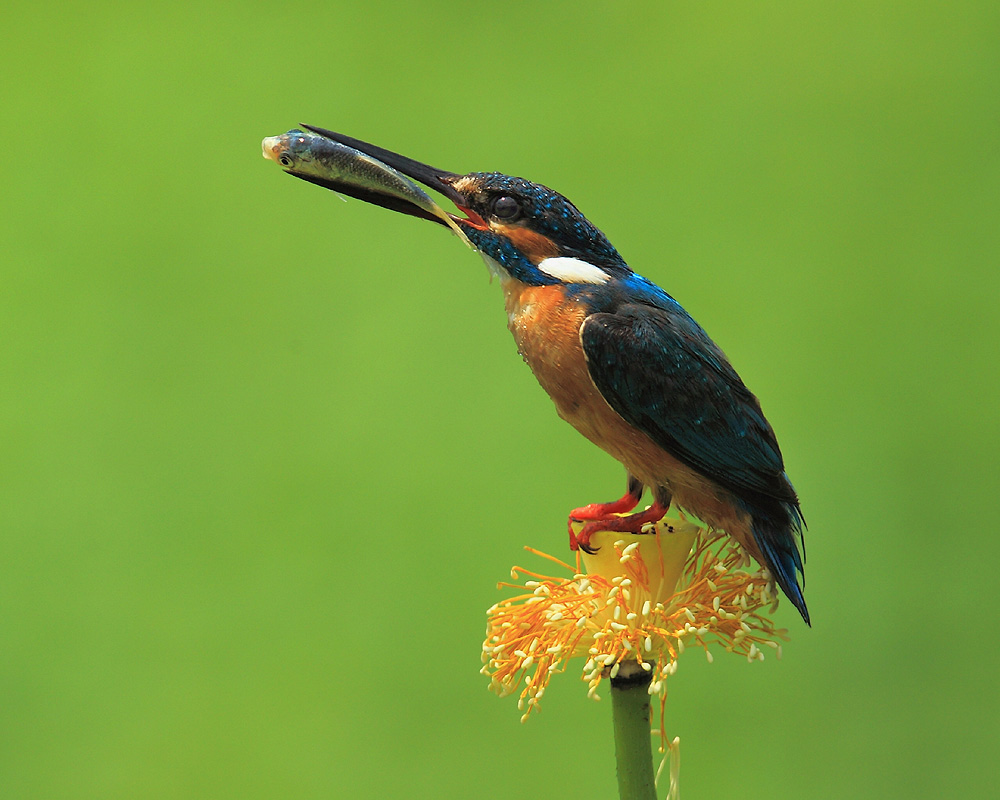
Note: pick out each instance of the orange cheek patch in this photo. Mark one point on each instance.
(534, 245)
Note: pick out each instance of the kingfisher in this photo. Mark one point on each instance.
(623, 362)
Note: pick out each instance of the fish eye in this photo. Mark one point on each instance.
(506, 208)
(285, 160)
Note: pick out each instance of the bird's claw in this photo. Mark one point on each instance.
(644, 522)
(581, 541)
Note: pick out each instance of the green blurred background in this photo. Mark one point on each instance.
(265, 454)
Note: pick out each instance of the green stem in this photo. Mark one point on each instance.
(633, 747)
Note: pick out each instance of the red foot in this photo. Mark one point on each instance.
(597, 521)
(604, 510)
(597, 511)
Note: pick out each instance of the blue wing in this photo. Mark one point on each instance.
(659, 370)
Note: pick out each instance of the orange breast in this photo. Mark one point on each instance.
(546, 326)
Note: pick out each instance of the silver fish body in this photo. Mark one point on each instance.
(341, 168)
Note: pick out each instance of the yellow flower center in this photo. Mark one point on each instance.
(641, 597)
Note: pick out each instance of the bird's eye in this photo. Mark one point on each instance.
(506, 208)
(285, 160)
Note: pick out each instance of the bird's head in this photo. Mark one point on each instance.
(525, 229)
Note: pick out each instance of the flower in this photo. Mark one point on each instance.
(645, 597)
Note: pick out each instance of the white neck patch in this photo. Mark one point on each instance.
(573, 270)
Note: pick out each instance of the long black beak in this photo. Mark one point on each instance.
(437, 179)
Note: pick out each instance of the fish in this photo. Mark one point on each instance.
(339, 167)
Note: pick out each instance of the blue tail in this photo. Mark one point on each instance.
(776, 526)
